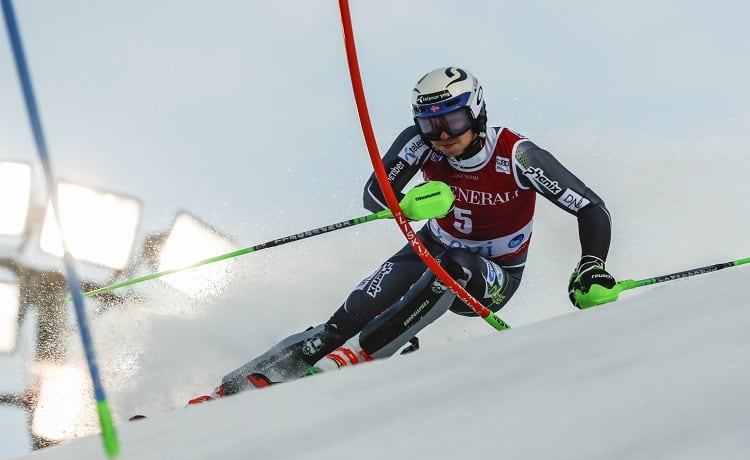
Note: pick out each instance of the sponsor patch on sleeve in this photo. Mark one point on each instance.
(413, 150)
(572, 200)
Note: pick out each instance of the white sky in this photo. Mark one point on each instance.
(242, 114)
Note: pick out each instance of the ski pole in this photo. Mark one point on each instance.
(425, 201)
(108, 432)
(599, 295)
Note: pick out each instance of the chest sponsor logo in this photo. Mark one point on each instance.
(572, 200)
(537, 175)
(466, 176)
(502, 165)
(478, 197)
(413, 150)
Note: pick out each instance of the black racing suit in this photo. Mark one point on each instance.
(482, 243)
(529, 166)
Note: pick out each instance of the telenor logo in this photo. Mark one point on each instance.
(433, 97)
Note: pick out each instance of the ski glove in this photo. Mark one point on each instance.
(588, 273)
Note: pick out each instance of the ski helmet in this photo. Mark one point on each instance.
(449, 93)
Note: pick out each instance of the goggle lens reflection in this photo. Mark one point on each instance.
(454, 123)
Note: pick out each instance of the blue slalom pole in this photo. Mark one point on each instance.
(109, 435)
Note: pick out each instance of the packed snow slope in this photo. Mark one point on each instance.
(660, 374)
(646, 103)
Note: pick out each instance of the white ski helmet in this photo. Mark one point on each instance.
(446, 90)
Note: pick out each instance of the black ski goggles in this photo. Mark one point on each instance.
(454, 123)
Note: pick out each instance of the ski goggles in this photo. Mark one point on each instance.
(454, 123)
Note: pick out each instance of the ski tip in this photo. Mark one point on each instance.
(136, 417)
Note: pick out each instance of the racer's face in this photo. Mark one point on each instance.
(453, 146)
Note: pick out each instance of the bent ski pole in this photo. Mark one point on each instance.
(425, 201)
(599, 295)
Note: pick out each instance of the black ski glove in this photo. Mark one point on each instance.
(589, 271)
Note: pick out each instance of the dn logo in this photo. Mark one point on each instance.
(572, 200)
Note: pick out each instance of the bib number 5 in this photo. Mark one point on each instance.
(462, 220)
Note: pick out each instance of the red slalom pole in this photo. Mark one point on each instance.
(385, 185)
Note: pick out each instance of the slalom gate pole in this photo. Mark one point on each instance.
(109, 436)
(428, 200)
(603, 295)
(359, 95)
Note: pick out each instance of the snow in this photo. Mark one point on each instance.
(659, 374)
(650, 110)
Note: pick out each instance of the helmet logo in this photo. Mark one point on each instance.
(450, 72)
(434, 97)
(435, 108)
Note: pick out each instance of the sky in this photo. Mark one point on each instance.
(243, 115)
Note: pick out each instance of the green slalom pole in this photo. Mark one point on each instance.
(598, 295)
(429, 200)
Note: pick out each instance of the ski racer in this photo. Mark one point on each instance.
(495, 175)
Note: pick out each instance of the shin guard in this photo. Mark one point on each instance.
(426, 301)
